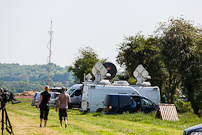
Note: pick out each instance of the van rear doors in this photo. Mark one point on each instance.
(84, 103)
(111, 103)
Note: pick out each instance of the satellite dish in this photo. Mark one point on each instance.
(99, 71)
(87, 77)
(111, 70)
(141, 74)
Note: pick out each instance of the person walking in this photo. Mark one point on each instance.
(43, 105)
(63, 100)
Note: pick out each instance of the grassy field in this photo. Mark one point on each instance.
(25, 120)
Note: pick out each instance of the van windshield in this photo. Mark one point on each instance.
(69, 91)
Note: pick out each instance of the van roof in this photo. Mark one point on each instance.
(144, 86)
(76, 85)
(110, 86)
(114, 94)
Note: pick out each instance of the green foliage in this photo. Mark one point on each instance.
(121, 76)
(137, 50)
(173, 59)
(180, 43)
(84, 63)
(16, 78)
(132, 81)
(183, 107)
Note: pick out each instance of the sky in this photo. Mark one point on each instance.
(99, 24)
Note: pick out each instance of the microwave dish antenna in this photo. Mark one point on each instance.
(105, 71)
(87, 77)
(141, 74)
(111, 70)
(99, 71)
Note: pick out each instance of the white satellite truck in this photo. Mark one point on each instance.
(144, 88)
(94, 92)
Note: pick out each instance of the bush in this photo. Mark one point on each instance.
(183, 107)
(132, 81)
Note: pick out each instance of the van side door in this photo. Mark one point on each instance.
(124, 103)
(138, 103)
(147, 105)
(75, 97)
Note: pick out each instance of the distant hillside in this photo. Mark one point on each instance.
(17, 78)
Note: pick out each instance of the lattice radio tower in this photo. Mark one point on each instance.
(49, 57)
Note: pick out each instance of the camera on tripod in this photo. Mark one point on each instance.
(6, 96)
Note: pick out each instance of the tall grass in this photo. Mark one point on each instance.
(185, 120)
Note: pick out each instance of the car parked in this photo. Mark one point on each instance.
(56, 89)
(52, 102)
(35, 98)
(119, 103)
(54, 96)
(194, 130)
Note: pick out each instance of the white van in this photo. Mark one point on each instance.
(75, 93)
(93, 95)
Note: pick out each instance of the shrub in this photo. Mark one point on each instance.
(183, 107)
(132, 81)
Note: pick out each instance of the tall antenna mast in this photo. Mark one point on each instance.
(49, 57)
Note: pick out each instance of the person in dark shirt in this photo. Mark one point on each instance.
(43, 105)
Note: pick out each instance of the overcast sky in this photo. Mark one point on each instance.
(99, 24)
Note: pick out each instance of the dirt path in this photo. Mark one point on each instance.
(26, 126)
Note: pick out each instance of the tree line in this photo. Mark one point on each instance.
(17, 78)
(172, 56)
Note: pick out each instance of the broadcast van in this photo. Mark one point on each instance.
(75, 95)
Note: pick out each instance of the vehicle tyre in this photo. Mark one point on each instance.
(99, 110)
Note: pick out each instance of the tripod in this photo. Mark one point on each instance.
(7, 121)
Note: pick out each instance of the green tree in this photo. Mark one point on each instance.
(137, 50)
(84, 63)
(32, 77)
(180, 42)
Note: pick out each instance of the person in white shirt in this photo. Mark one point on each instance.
(63, 100)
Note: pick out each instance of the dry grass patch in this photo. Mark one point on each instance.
(26, 126)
